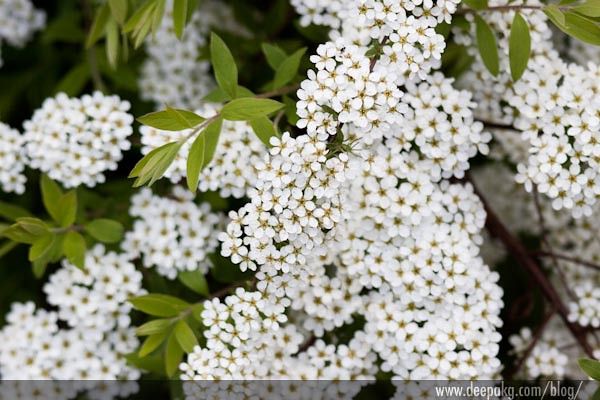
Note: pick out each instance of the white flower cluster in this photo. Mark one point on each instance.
(74, 140)
(18, 21)
(297, 198)
(232, 170)
(586, 310)
(405, 31)
(12, 160)
(173, 74)
(430, 117)
(92, 303)
(173, 234)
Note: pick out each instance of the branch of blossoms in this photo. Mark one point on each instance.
(514, 247)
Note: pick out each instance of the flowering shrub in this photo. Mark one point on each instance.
(332, 190)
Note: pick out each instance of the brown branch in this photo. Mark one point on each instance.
(565, 257)
(497, 229)
(307, 344)
(496, 125)
(536, 338)
(279, 92)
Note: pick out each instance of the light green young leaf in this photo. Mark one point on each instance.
(98, 26)
(555, 15)
(112, 43)
(159, 13)
(519, 47)
(288, 69)
(590, 367)
(153, 327)
(218, 95)
(476, 4)
(173, 355)
(180, 9)
(159, 306)
(67, 208)
(185, 336)
(7, 247)
(249, 108)
(105, 230)
(223, 63)
(202, 151)
(171, 119)
(146, 160)
(194, 280)
(74, 248)
(151, 343)
(18, 234)
(41, 247)
(51, 195)
(118, 8)
(274, 55)
(153, 166)
(264, 129)
(486, 42)
(34, 226)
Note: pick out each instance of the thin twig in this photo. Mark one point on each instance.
(497, 229)
(565, 257)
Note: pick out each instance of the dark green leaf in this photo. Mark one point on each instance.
(263, 128)
(151, 343)
(51, 195)
(180, 9)
(590, 367)
(74, 248)
(185, 336)
(202, 151)
(249, 108)
(105, 230)
(159, 305)
(476, 4)
(98, 26)
(12, 212)
(7, 247)
(288, 69)
(153, 363)
(194, 280)
(73, 83)
(173, 355)
(67, 208)
(274, 55)
(486, 42)
(171, 119)
(153, 327)
(519, 46)
(224, 65)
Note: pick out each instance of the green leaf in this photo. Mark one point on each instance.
(590, 367)
(98, 26)
(202, 152)
(41, 247)
(194, 280)
(160, 305)
(590, 8)
(486, 42)
(67, 207)
(118, 8)
(582, 28)
(555, 15)
(152, 364)
(224, 66)
(476, 4)
(274, 55)
(34, 226)
(74, 248)
(218, 95)
(153, 327)
(75, 80)
(159, 13)
(153, 166)
(151, 343)
(39, 267)
(11, 212)
(105, 230)
(112, 43)
(185, 336)
(249, 108)
(7, 247)
(263, 128)
(519, 46)
(173, 355)
(51, 195)
(180, 9)
(171, 119)
(288, 69)
(18, 234)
